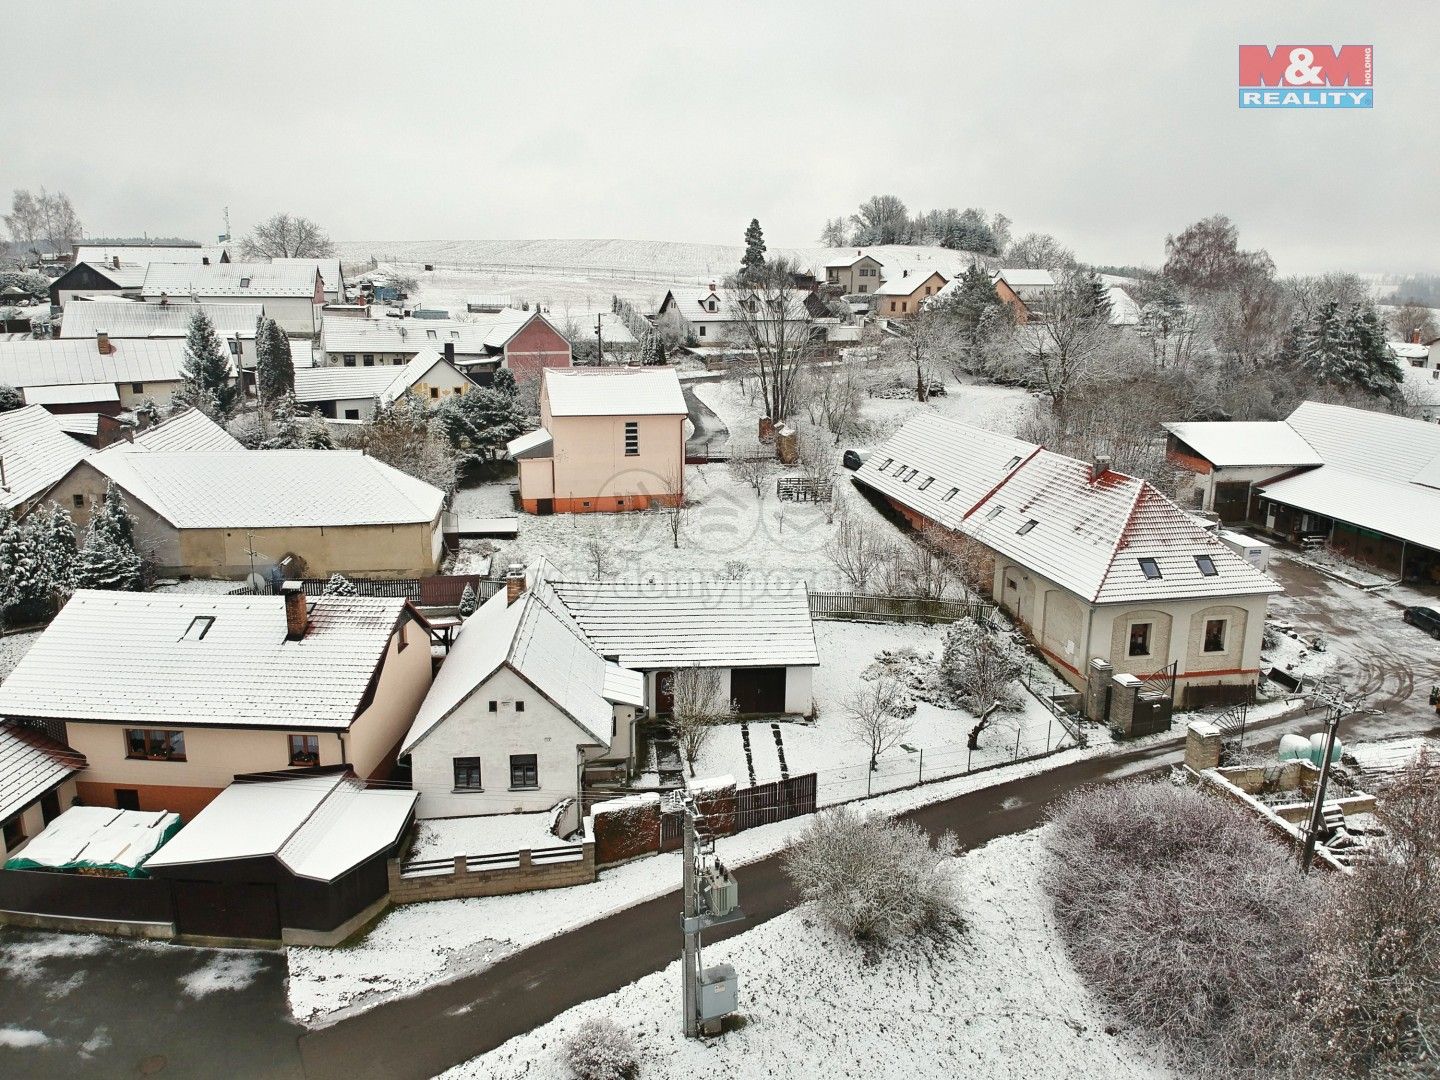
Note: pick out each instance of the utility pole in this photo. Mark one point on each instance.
(599, 340)
(1317, 812)
(710, 892)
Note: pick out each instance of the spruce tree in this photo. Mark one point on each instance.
(339, 585)
(112, 518)
(24, 585)
(315, 434)
(207, 369)
(468, 601)
(1095, 296)
(286, 432)
(56, 534)
(104, 564)
(753, 264)
(274, 367)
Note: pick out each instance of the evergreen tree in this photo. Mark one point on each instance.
(1096, 296)
(1374, 366)
(753, 264)
(286, 432)
(468, 601)
(315, 434)
(274, 367)
(1346, 348)
(339, 585)
(207, 369)
(104, 564)
(56, 536)
(112, 518)
(480, 424)
(25, 587)
(10, 398)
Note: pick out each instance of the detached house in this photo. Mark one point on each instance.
(902, 296)
(860, 274)
(99, 375)
(119, 320)
(167, 697)
(713, 319)
(610, 439)
(1094, 565)
(35, 452)
(351, 393)
(525, 342)
(291, 294)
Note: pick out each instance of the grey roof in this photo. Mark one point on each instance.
(69, 361)
(128, 320)
(35, 452)
(229, 279)
(31, 763)
(124, 657)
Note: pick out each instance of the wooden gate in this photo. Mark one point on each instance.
(779, 800)
(232, 909)
(758, 690)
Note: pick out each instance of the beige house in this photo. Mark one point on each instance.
(95, 375)
(226, 513)
(352, 393)
(860, 274)
(1092, 564)
(169, 696)
(902, 296)
(610, 439)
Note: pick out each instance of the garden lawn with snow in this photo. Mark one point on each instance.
(996, 999)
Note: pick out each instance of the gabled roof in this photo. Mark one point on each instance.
(701, 623)
(248, 279)
(72, 394)
(332, 276)
(537, 444)
(124, 657)
(1044, 511)
(31, 763)
(1409, 350)
(1374, 444)
(129, 320)
(128, 275)
(189, 430)
(1240, 443)
(34, 453)
(540, 643)
(904, 285)
(319, 826)
(1026, 278)
(851, 260)
(57, 362)
(271, 488)
(386, 382)
(146, 253)
(479, 335)
(617, 391)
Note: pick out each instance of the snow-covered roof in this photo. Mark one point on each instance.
(537, 639)
(64, 361)
(1044, 511)
(189, 430)
(100, 835)
(72, 394)
(128, 275)
(702, 623)
(536, 444)
(479, 335)
(229, 279)
(319, 826)
(34, 453)
(79, 424)
(125, 657)
(1407, 511)
(850, 261)
(905, 284)
(331, 273)
(617, 391)
(129, 320)
(271, 488)
(1239, 443)
(1124, 311)
(146, 253)
(31, 763)
(1374, 444)
(1025, 278)
(612, 328)
(1409, 350)
(386, 382)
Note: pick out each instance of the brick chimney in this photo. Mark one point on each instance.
(102, 343)
(297, 610)
(712, 286)
(1099, 467)
(1415, 336)
(514, 582)
(204, 260)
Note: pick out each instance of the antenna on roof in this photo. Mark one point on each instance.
(224, 237)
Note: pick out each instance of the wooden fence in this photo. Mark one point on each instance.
(778, 800)
(870, 607)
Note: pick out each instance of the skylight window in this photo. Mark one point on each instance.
(886, 464)
(198, 628)
(1151, 569)
(244, 282)
(431, 335)
(1023, 529)
(1012, 463)
(949, 494)
(995, 512)
(926, 482)
(1206, 565)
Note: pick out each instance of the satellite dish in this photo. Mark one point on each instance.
(257, 583)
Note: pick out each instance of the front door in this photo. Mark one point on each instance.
(664, 693)
(544, 507)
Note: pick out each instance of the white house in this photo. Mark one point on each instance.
(520, 708)
(35, 452)
(711, 317)
(291, 294)
(351, 393)
(120, 319)
(98, 375)
(523, 341)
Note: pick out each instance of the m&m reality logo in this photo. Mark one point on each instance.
(1307, 77)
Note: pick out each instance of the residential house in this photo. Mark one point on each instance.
(234, 323)
(148, 253)
(1093, 565)
(298, 858)
(37, 784)
(1367, 483)
(112, 276)
(332, 275)
(228, 513)
(525, 342)
(859, 274)
(351, 393)
(1413, 353)
(1031, 286)
(521, 707)
(609, 439)
(712, 319)
(290, 294)
(35, 452)
(168, 696)
(73, 375)
(187, 430)
(900, 297)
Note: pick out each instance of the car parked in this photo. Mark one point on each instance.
(1426, 618)
(853, 459)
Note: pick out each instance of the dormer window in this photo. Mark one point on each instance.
(709, 305)
(198, 628)
(431, 335)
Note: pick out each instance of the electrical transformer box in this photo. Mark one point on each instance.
(719, 992)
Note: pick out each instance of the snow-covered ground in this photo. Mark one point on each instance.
(998, 999)
(443, 838)
(417, 945)
(13, 648)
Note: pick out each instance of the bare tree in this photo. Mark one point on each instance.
(1066, 344)
(675, 507)
(698, 707)
(43, 220)
(596, 545)
(286, 236)
(980, 668)
(856, 550)
(1206, 256)
(875, 878)
(929, 344)
(835, 233)
(1039, 251)
(878, 715)
(62, 224)
(1408, 318)
(774, 331)
(750, 462)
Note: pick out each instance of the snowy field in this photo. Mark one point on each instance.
(999, 999)
(418, 945)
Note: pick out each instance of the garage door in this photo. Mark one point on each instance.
(232, 909)
(758, 690)
(1232, 501)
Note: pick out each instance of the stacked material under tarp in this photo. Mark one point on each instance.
(98, 840)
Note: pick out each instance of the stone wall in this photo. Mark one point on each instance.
(525, 876)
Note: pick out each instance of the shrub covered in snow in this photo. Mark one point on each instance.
(339, 585)
(600, 1050)
(468, 601)
(1184, 915)
(876, 878)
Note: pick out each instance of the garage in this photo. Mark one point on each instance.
(229, 909)
(758, 690)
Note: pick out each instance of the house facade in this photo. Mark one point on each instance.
(1092, 564)
(610, 439)
(291, 295)
(169, 696)
(900, 297)
(861, 274)
(352, 393)
(526, 342)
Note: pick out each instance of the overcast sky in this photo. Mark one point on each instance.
(1108, 124)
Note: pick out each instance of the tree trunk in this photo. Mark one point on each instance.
(973, 742)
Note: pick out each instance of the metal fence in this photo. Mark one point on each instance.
(439, 590)
(876, 608)
(778, 800)
(498, 860)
